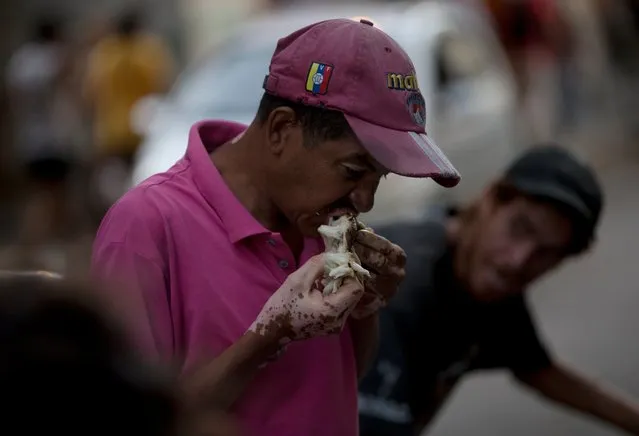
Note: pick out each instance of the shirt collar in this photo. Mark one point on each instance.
(204, 137)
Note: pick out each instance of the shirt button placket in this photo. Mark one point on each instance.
(283, 264)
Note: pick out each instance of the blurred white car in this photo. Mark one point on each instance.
(460, 66)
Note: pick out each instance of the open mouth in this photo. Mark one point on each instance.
(331, 215)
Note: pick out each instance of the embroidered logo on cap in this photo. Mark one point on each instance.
(318, 77)
(417, 108)
(402, 82)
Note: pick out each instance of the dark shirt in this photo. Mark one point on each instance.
(434, 332)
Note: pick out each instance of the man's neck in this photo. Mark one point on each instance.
(457, 233)
(453, 228)
(236, 163)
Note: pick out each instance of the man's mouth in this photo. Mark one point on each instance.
(503, 280)
(336, 213)
(329, 215)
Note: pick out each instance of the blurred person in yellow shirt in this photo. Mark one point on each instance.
(123, 67)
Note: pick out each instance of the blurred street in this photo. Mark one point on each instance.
(587, 312)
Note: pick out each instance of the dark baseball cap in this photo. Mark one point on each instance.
(357, 69)
(553, 173)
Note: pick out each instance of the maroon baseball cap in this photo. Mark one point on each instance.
(357, 69)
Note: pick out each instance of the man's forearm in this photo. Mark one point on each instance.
(218, 384)
(365, 334)
(567, 387)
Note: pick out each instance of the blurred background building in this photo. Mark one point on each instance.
(494, 81)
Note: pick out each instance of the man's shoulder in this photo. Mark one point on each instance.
(423, 240)
(425, 244)
(152, 208)
(135, 213)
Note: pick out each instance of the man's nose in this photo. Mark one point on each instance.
(363, 196)
(520, 255)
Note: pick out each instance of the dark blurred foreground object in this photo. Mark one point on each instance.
(66, 367)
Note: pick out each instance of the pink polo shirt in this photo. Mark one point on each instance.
(196, 268)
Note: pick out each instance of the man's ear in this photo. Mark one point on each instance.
(281, 129)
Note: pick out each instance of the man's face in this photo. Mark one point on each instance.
(516, 243)
(309, 183)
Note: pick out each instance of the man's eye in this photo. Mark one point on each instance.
(520, 227)
(354, 173)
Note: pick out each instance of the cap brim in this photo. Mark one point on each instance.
(409, 154)
(553, 192)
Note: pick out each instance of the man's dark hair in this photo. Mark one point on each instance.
(582, 232)
(318, 124)
(129, 22)
(47, 29)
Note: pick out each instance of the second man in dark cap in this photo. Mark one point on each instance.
(462, 306)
